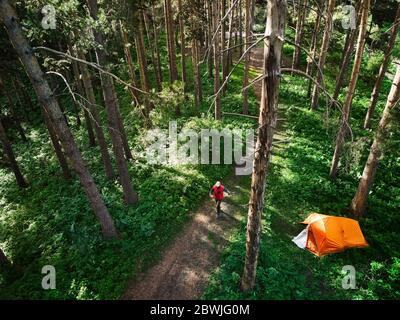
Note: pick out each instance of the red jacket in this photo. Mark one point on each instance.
(218, 192)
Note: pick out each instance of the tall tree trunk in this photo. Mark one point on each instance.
(240, 28)
(78, 82)
(87, 83)
(210, 23)
(229, 60)
(323, 53)
(217, 59)
(313, 49)
(52, 108)
(154, 60)
(129, 62)
(57, 147)
(345, 63)
(196, 70)
(299, 33)
(111, 104)
(347, 52)
(141, 53)
(223, 44)
(359, 202)
(274, 30)
(155, 32)
(183, 45)
(344, 124)
(247, 18)
(169, 23)
(11, 158)
(382, 70)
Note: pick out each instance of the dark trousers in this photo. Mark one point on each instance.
(218, 203)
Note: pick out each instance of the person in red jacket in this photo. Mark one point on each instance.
(217, 192)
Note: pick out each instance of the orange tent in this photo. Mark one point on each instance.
(328, 234)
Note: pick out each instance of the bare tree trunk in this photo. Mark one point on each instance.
(210, 62)
(299, 33)
(382, 70)
(223, 44)
(229, 61)
(217, 60)
(129, 61)
(11, 158)
(247, 18)
(195, 62)
(240, 28)
(169, 24)
(348, 50)
(344, 125)
(313, 49)
(48, 101)
(141, 53)
(150, 37)
(323, 53)
(274, 30)
(345, 63)
(87, 83)
(78, 82)
(183, 45)
(159, 70)
(359, 203)
(111, 104)
(57, 147)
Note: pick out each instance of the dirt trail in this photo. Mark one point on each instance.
(186, 264)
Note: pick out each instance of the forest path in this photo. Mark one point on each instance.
(184, 269)
(185, 266)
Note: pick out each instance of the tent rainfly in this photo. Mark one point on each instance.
(328, 234)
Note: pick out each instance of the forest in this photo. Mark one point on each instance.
(174, 149)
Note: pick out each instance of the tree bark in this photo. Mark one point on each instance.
(344, 126)
(183, 44)
(348, 50)
(323, 53)
(154, 59)
(382, 70)
(223, 45)
(173, 70)
(247, 19)
(87, 83)
(129, 61)
(210, 60)
(299, 34)
(217, 59)
(359, 202)
(313, 49)
(52, 108)
(240, 28)
(159, 69)
(141, 53)
(196, 70)
(11, 158)
(274, 30)
(111, 104)
(78, 82)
